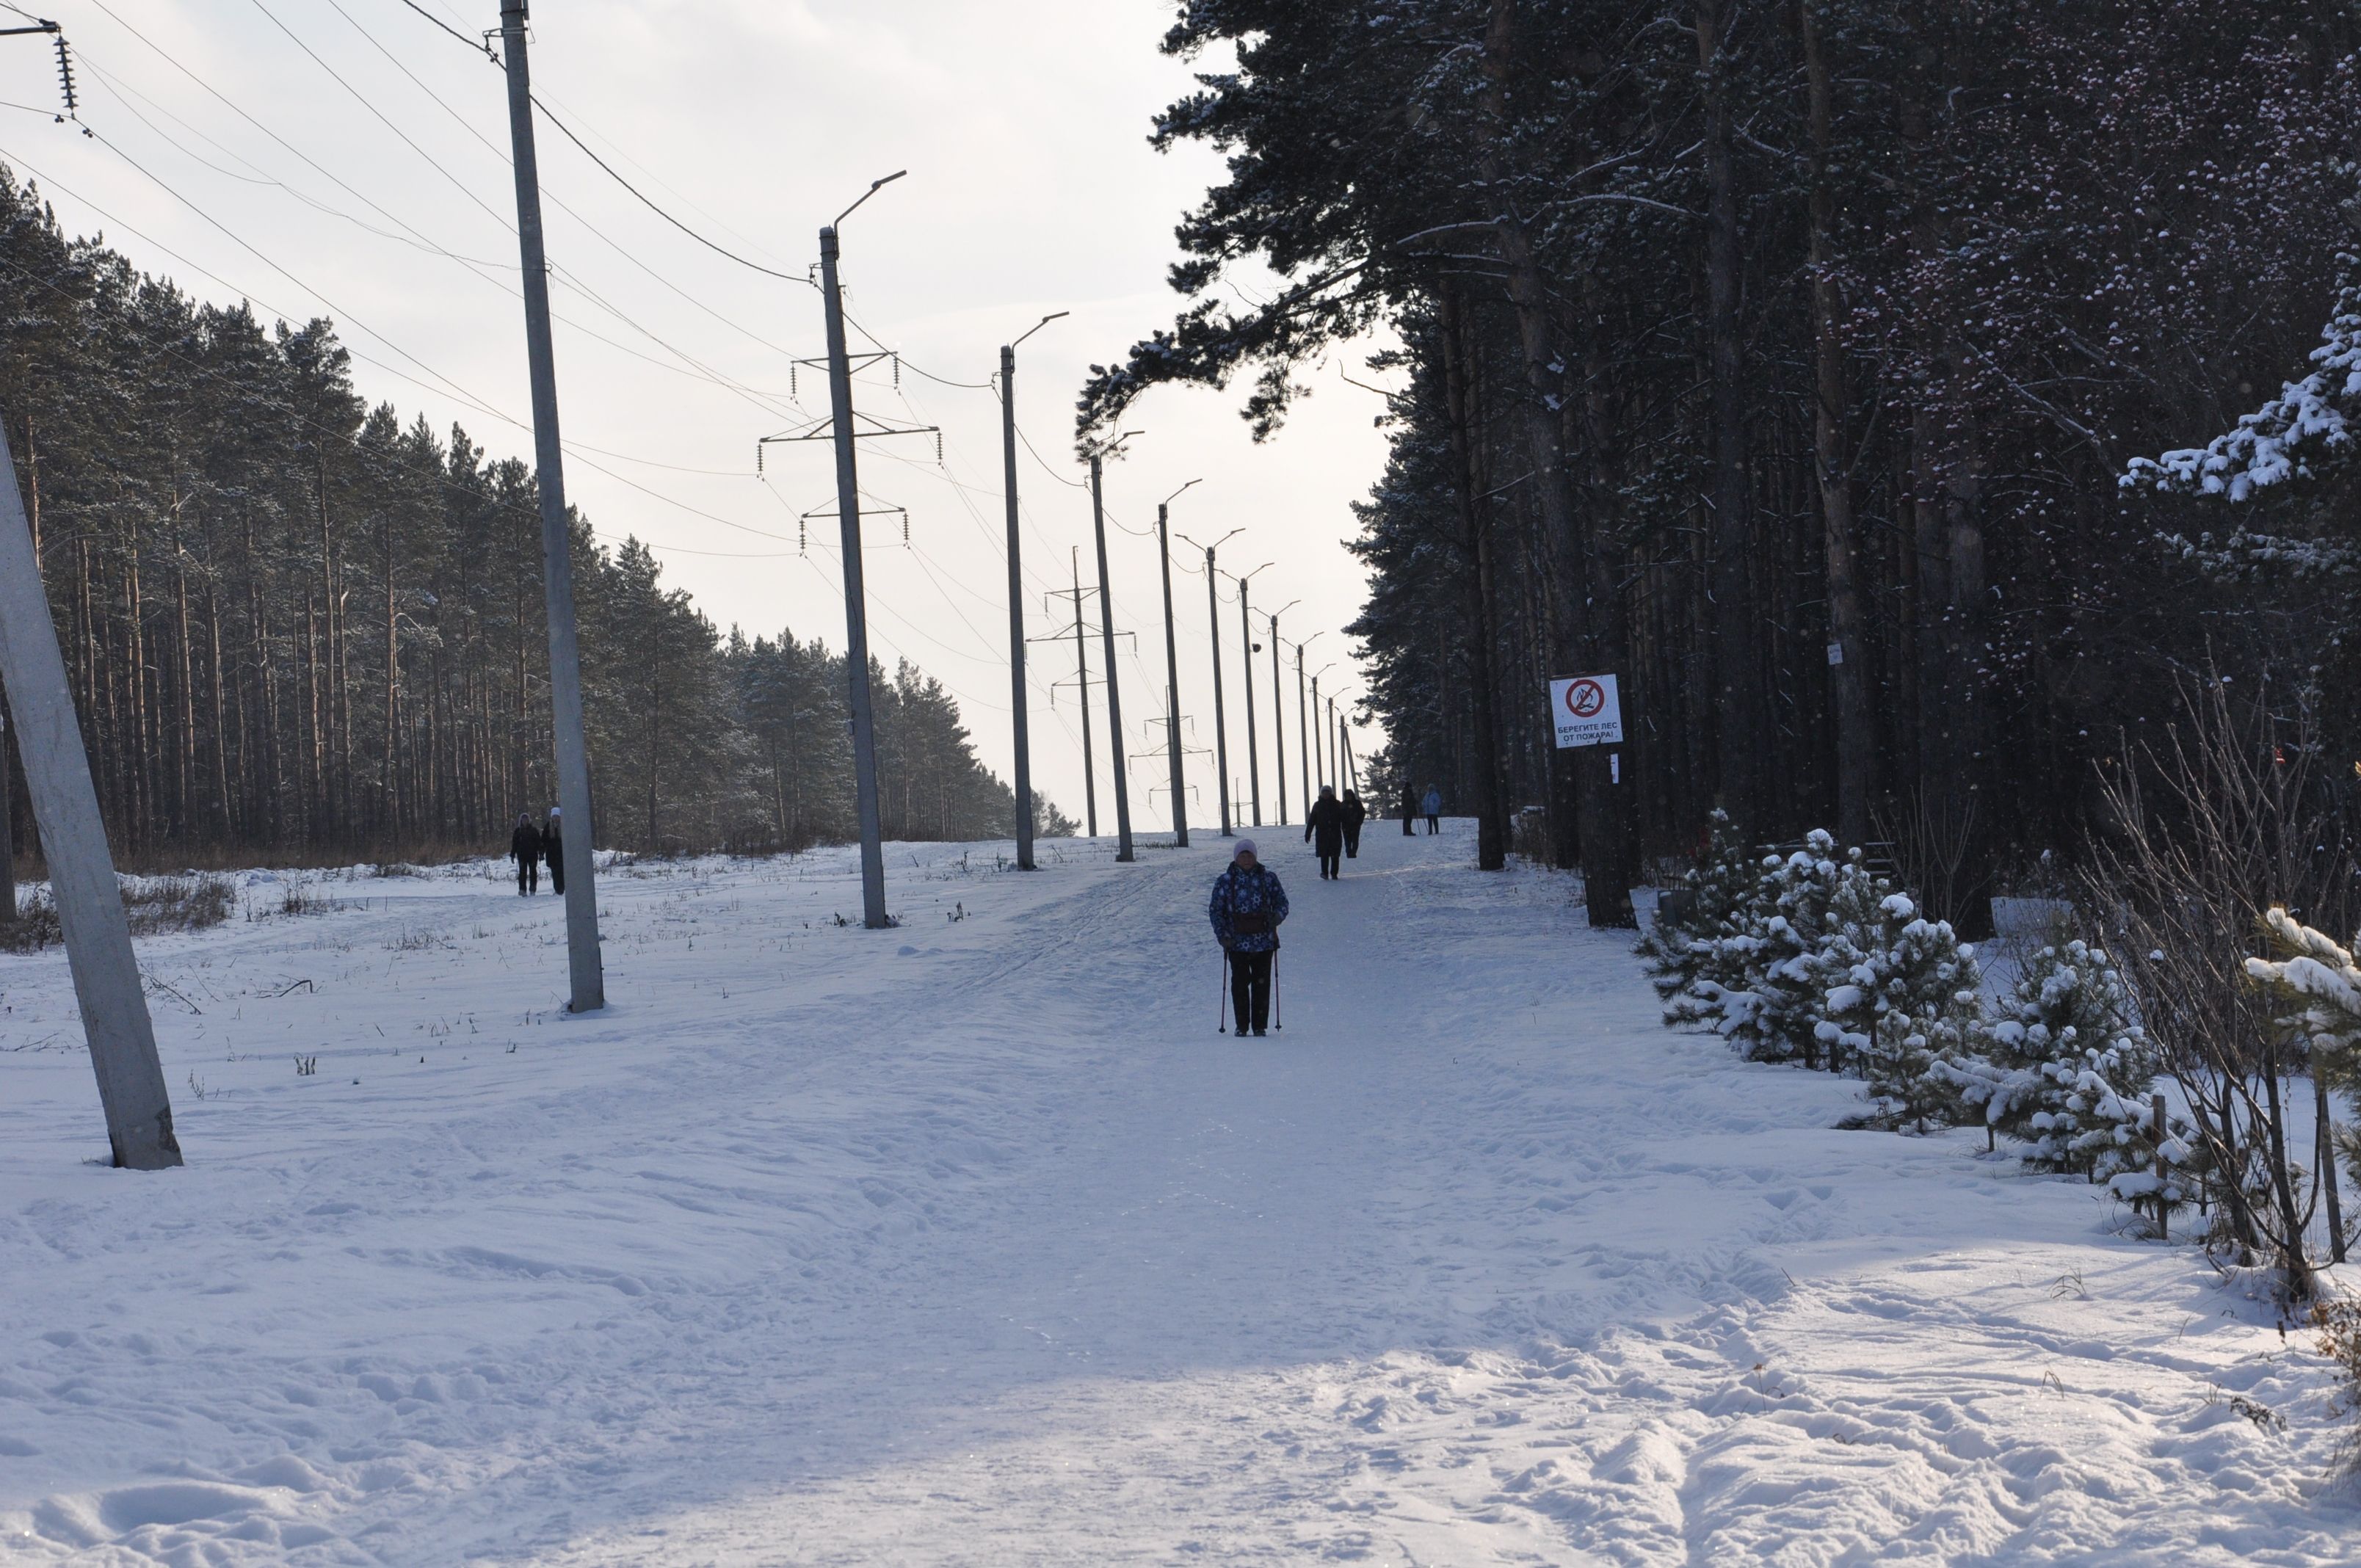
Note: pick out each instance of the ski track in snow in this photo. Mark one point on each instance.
(973, 1243)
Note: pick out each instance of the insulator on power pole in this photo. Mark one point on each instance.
(66, 81)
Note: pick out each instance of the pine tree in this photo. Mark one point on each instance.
(1918, 991)
(1757, 982)
(1716, 890)
(2075, 1068)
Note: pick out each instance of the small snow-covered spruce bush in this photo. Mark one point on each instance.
(1759, 985)
(1674, 951)
(1922, 1016)
(1857, 928)
(2160, 1171)
(2067, 1071)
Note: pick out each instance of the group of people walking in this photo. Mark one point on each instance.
(1415, 805)
(532, 844)
(1333, 829)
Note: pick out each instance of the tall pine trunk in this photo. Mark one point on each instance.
(1602, 820)
(1741, 717)
(1848, 647)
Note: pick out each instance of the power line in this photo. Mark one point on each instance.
(749, 393)
(475, 46)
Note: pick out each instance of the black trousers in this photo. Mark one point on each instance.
(558, 871)
(527, 875)
(1430, 824)
(1250, 990)
(1352, 841)
(1328, 865)
(1410, 823)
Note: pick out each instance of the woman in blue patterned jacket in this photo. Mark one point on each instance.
(1246, 909)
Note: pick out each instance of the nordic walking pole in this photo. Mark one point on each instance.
(1222, 998)
(1278, 1014)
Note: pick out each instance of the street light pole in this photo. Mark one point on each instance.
(1320, 736)
(1279, 709)
(1304, 725)
(1324, 759)
(856, 624)
(1123, 850)
(1221, 723)
(1017, 595)
(585, 972)
(1082, 683)
(1245, 662)
(1172, 676)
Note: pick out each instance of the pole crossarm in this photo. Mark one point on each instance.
(866, 426)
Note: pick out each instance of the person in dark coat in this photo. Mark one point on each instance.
(525, 848)
(1354, 815)
(553, 846)
(1247, 908)
(1409, 808)
(1325, 832)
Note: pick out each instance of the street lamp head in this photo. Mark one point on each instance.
(1176, 495)
(1112, 445)
(875, 186)
(1037, 327)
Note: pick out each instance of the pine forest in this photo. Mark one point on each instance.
(298, 627)
(1792, 361)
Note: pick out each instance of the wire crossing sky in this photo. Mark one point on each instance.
(349, 160)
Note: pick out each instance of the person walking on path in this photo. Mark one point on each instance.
(1432, 806)
(552, 845)
(1248, 908)
(1409, 808)
(1325, 832)
(1354, 815)
(525, 848)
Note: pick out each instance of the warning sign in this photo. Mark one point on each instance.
(1586, 711)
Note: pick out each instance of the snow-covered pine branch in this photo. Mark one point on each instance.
(2307, 424)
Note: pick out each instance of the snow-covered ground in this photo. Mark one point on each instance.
(972, 1242)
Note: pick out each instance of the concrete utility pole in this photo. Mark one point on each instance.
(1221, 720)
(1245, 662)
(115, 1021)
(582, 960)
(1082, 683)
(1320, 758)
(1172, 675)
(1113, 687)
(1304, 732)
(1335, 745)
(8, 833)
(1320, 736)
(1024, 780)
(856, 598)
(1017, 595)
(1279, 709)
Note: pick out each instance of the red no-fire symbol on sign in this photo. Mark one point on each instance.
(1583, 699)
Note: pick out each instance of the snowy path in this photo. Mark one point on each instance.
(972, 1242)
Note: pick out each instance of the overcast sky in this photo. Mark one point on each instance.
(1031, 189)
